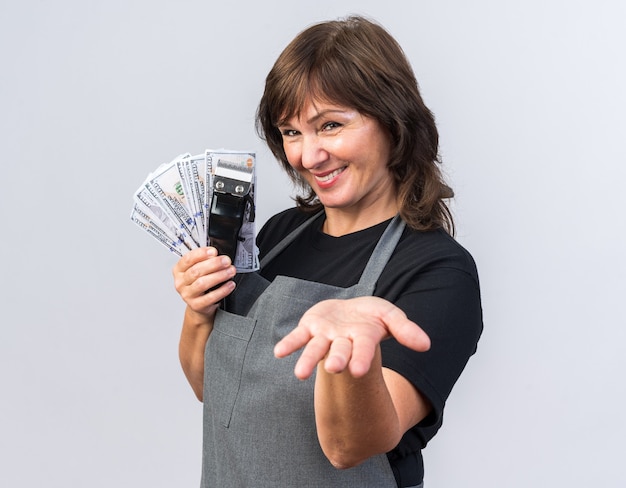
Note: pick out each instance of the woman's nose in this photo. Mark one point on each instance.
(313, 152)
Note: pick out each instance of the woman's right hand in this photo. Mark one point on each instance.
(203, 279)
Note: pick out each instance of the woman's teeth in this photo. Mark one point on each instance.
(329, 176)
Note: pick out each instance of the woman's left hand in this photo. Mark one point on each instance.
(346, 333)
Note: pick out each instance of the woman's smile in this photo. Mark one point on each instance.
(324, 179)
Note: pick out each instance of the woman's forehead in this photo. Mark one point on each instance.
(311, 106)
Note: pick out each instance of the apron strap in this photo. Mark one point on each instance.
(383, 251)
(289, 238)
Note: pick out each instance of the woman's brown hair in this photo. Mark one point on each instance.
(358, 64)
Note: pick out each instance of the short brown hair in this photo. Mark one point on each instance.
(358, 64)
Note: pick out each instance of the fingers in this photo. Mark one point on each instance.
(193, 257)
(293, 341)
(363, 351)
(405, 331)
(201, 270)
(312, 354)
(337, 351)
(339, 355)
(207, 302)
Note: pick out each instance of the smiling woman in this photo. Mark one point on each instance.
(337, 357)
(357, 64)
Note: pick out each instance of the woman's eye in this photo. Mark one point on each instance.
(330, 126)
(289, 132)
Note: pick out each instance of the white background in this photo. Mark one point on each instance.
(529, 98)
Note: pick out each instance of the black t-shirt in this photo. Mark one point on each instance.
(429, 276)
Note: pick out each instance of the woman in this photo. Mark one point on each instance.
(314, 372)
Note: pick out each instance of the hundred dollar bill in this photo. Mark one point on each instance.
(193, 172)
(158, 217)
(166, 187)
(145, 222)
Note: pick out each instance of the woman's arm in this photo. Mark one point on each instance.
(194, 334)
(358, 418)
(361, 408)
(195, 273)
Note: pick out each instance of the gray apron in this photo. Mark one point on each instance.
(259, 421)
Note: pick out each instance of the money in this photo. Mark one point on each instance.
(174, 203)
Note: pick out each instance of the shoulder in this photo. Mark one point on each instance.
(422, 251)
(278, 226)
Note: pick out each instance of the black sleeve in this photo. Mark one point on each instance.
(448, 309)
(442, 296)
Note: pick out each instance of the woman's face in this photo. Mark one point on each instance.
(343, 155)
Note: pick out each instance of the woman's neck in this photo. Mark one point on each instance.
(339, 222)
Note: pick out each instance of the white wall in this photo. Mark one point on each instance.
(529, 98)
